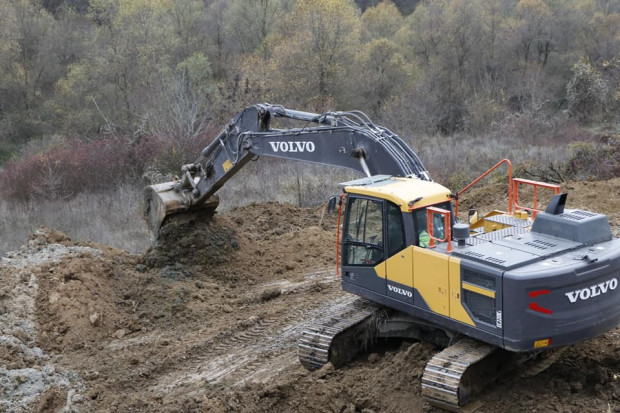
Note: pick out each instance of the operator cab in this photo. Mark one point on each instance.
(384, 216)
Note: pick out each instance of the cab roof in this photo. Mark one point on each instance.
(401, 191)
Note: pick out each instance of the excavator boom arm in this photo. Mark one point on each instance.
(344, 139)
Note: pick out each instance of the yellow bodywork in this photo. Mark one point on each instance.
(457, 311)
(432, 281)
(399, 267)
(435, 276)
(479, 290)
(402, 191)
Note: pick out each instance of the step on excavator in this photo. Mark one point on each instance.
(496, 292)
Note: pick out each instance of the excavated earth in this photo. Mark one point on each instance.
(208, 319)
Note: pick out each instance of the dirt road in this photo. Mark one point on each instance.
(209, 318)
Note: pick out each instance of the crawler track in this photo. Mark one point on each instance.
(449, 380)
(331, 337)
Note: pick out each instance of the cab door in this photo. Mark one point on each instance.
(363, 243)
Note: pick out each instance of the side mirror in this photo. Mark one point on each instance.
(331, 203)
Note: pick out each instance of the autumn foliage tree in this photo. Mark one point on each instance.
(312, 57)
(168, 72)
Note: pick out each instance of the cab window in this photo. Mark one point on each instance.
(422, 234)
(363, 235)
(396, 229)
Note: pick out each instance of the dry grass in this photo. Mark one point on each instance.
(283, 181)
(114, 217)
(111, 217)
(456, 160)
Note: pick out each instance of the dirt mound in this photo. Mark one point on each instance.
(28, 378)
(253, 242)
(387, 381)
(79, 296)
(193, 239)
(269, 220)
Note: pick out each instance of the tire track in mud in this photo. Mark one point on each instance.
(267, 346)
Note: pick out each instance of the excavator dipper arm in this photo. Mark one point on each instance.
(344, 139)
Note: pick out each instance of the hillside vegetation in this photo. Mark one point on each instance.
(101, 94)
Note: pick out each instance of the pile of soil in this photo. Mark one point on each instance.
(250, 242)
(208, 320)
(193, 240)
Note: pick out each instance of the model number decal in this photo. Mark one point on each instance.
(592, 291)
(400, 291)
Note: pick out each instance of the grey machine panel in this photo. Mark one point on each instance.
(569, 297)
(575, 225)
(538, 244)
(496, 255)
(551, 235)
(500, 234)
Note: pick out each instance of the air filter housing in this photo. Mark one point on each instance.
(460, 232)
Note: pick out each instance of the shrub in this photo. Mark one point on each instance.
(70, 168)
(594, 160)
(65, 167)
(597, 159)
(587, 92)
(53, 174)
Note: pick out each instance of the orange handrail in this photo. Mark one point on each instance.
(497, 165)
(536, 184)
(446, 224)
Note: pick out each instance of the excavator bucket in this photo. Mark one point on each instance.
(163, 200)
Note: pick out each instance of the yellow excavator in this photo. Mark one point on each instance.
(493, 292)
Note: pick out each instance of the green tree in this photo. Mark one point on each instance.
(219, 48)
(383, 20)
(534, 31)
(250, 22)
(314, 56)
(32, 54)
(134, 50)
(598, 29)
(420, 36)
(449, 43)
(382, 73)
(188, 18)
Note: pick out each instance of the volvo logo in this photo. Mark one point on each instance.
(400, 291)
(592, 291)
(294, 146)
